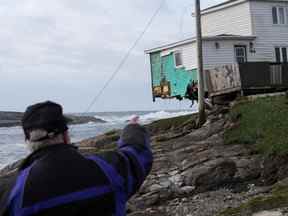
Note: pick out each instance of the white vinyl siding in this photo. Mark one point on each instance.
(188, 53)
(232, 20)
(213, 55)
(225, 55)
(269, 35)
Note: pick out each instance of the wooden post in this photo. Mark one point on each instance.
(201, 93)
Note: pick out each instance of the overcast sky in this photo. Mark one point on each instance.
(65, 50)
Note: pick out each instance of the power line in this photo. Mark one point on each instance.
(126, 56)
(184, 10)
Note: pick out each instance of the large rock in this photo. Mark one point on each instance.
(269, 213)
(274, 169)
(102, 142)
(213, 174)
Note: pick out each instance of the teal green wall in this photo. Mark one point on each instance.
(155, 61)
(164, 68)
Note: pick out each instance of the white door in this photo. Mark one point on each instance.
(240, 53)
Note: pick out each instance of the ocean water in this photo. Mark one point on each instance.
(12, 144)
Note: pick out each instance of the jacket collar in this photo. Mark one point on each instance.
(40, 153)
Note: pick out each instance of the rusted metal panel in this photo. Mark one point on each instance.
(163, 90)
(223, 80)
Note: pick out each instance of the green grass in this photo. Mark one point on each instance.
(171, 123)
(262, 123)
(277, 199)
(112, 133)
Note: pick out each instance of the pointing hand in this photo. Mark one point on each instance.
(134, 119)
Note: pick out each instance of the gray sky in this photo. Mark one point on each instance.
(64, 50)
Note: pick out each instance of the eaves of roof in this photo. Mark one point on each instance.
(193, 40)
(219, 5)
(230, 3)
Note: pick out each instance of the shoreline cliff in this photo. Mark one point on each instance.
(13, 119)
(220, 169)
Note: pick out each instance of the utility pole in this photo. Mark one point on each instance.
(201, 93)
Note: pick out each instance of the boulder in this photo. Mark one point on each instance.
(101, 143)
(214, 174)
(269, 213)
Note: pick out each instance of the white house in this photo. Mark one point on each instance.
(267, 20)
(235, 31)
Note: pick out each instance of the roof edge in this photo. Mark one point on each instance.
(222, 5)
(170, 45)
(230, 3)
(192, 40)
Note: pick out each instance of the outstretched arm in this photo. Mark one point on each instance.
(133, 159)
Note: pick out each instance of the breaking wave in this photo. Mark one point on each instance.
(13, 148)
(144, 117)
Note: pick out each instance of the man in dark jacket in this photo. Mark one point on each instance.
(55, 179)
(192, 92)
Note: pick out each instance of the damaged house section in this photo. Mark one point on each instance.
(245, 50)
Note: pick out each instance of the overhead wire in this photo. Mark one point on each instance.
(124, 59)
(181, 25)
(126, 56)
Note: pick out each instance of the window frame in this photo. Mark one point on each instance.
(274, 16)
(286, 17)
(178, 52)
(245, 53)
(278, 18)
(282, 19)
(282, 54)
(277, 51)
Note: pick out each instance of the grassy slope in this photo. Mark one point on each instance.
(108, 140)
(171, 123)
(277, 199)
(262, 124)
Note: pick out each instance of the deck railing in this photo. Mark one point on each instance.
(253, 76)
(276, 74)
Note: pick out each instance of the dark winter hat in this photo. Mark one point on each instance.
(47, 115)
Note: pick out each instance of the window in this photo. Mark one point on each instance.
(286, 15)
(284, 54)
(278, 54)
(178, 59)
(280, 15)
(274, 14)
(240, 54)
(281, 54)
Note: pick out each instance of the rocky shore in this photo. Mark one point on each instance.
(195, 173)
(12, 119)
